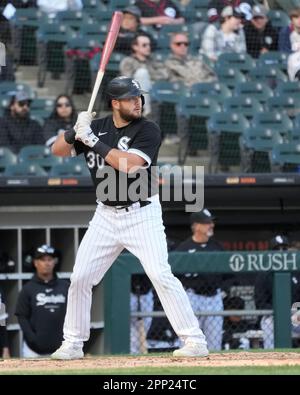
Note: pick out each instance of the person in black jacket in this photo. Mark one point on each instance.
(261, 36)
(4, 348)
(41, 306)
(204, 289)
(264, 292)
(16, 127)
(62, 118)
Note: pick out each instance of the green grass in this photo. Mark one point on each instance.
(253, 370)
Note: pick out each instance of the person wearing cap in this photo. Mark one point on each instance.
(229, 37)
(264, 291)
(142, 67)
(261, 36)
(41, 306)
(130, 26)
(204, 289)
(215, 8)
(17, 129)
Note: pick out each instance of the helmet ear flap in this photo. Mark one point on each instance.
(143, 100)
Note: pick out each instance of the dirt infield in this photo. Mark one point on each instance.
(214, 360)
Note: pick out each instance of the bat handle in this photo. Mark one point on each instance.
(95, 89)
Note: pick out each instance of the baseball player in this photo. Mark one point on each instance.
(120, 145)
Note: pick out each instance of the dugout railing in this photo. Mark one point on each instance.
(117, 285)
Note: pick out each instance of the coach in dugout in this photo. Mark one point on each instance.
(41, 306)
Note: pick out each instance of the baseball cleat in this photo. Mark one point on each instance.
(191, 349)
(68, 351)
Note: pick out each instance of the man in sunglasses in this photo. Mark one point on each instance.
(183, 67)
(41, 306)
(17, 129)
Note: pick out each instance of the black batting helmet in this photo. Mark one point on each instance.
(123, 88)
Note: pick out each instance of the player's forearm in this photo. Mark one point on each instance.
(60, 147)
(124, 161)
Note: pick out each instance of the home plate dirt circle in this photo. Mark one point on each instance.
(214, 360)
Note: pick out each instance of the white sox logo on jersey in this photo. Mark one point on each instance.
(123, 143)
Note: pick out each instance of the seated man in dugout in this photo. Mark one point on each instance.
(183, 67)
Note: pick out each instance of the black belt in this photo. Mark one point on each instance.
(142, 203)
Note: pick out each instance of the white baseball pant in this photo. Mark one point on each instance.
(140, 231)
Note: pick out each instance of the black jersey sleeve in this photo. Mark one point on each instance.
(146, 142)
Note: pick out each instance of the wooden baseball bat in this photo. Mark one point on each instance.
(106, 53)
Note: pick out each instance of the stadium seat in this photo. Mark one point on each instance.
(258, 90)
(192, 113)
(256, 145)
(69, 170)
(291, 88)
(8, 87)
(92, 29)
(24, 170)
(92, 6)
(245, 105)
(286, 157)
(72, 19)
(52, 38)
(215, 90)
(279, 18)
(38, 154)
(271, 75)
(229, 75)
(24, 24)
(275, 121)
(195, 11)
(274, 58)
(165, 96)
(241, 61)
(289, 104)
(224, 131)
(7, 157)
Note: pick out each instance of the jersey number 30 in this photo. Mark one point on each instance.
(94, 160)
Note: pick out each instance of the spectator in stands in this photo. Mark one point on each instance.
(129, 28)
(4, 349)
(41, 306)
(215, 8)
(55, 6)
(7, 71)
(229, 37)
(142, 67)
(264, 294)
(183, 67)
(159, 12)
(289, 36)
(62, 118)
(261, 36)
(204, 289)
(17, 129)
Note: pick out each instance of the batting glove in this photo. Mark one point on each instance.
(83, 129)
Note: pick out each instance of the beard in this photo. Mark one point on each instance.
(129, 117)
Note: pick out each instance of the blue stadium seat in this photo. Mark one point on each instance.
(258, 90)
(7, 157)
(245, 105)
(69, 170)
(215, 90)
(286, 157)
(275, 121)
(24, 170)
(38, 154)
